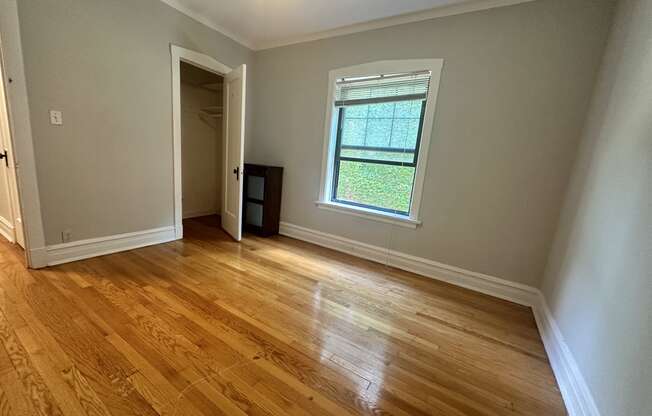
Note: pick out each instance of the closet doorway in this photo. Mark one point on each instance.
(201, 141)
(208, 106)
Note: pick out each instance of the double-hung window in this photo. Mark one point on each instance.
(379, 127)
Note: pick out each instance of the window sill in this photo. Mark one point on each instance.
(369, 214)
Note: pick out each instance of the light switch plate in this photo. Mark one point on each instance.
(56, 118)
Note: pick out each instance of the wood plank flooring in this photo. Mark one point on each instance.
(206, 326)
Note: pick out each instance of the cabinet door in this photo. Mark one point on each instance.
(254, 201)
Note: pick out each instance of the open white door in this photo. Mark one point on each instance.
(8, 162)
(233, 121)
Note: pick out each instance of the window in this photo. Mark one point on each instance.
(375, 138)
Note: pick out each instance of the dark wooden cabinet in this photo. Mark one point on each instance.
(261, 211)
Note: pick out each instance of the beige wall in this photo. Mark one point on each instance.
(106, 65)
(201, 152)
(599, 279)
(513, 97)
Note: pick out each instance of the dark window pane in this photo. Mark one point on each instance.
(376, 185)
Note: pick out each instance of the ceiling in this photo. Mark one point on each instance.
(261, 24)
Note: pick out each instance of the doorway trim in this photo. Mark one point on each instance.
(179, 54)
(21, 138)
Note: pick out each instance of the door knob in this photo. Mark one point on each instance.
(236, 172)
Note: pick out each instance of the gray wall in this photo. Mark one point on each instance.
(513, 97)
(106, 65)
(599, 279)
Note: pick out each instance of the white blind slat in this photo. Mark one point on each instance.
(382, 88)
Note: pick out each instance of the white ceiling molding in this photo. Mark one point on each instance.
(472, 6)
(267, 43)
(176, 4)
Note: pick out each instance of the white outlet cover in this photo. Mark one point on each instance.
(56, 118)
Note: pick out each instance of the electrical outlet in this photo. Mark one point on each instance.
(66, 235)
(56, 117)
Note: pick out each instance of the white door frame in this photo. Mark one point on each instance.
(21, 134)
(208, 63)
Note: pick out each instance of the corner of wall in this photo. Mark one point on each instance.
(18, 104)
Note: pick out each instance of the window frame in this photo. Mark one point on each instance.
(327, 198)
(339, 158)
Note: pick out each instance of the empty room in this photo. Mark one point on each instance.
(311, 207)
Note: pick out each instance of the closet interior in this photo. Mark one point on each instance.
(201, 141)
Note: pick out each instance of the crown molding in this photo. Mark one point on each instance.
(442, 11)
(175, 4)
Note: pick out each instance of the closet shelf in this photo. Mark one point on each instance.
(212, 111)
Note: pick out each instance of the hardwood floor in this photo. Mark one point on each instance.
(206, 326)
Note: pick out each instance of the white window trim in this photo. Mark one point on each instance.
(330, 127)
(369, 213)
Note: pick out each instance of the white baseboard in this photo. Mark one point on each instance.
(500, 288)
(38, 257)
(577, 397)
(7, 230)
(83, 249)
